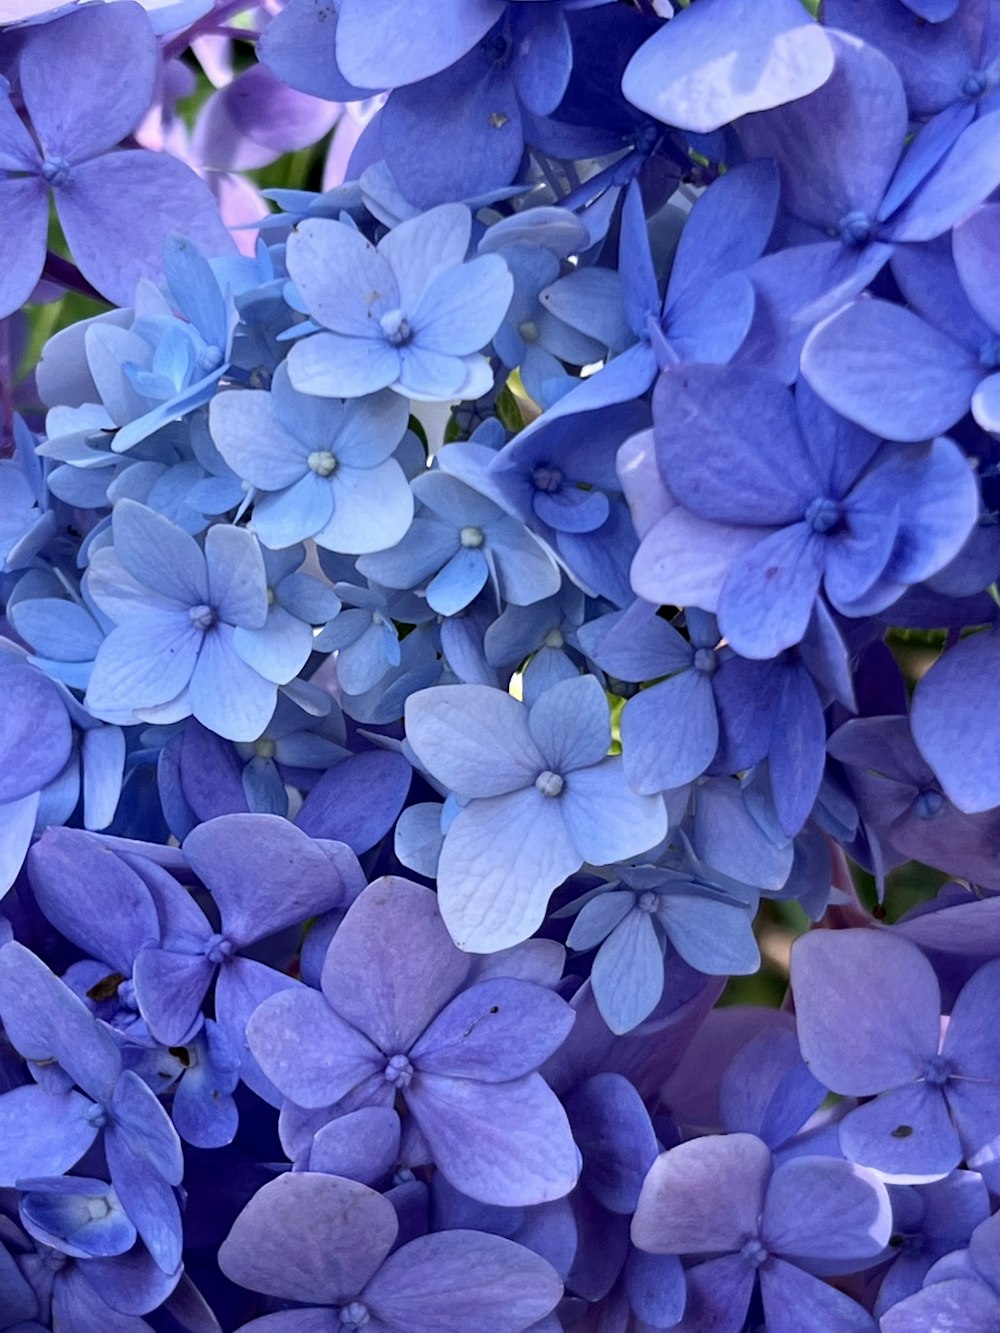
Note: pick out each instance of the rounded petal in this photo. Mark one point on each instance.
(372, 509)
(858, 1037)
(253, 442)
(496, 1030)
(906, 1134)
(265, 874)
(118, 210)
(502, 1143)
(949, 702)
(25, 204)
(696, 77)
(703, 1196)
(309, 1237)
(343, 280)
(823, 1208)
(862, 362)
(502, 858)
(307, 1050)
(605, 819)
(391, 966)
(473, 738)
(458, 1280)
(35, 733)
(226, 695)
(83, 107)
(340, 365)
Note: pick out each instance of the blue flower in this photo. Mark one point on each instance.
(322, 469)
(409, 315)
(541, 797)
(175, 648)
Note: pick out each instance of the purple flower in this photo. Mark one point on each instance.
(399, 1014)
(722, 1197)
(116, 209)
(326, 1241)
(869, 1017)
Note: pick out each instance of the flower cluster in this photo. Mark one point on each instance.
(444, 613)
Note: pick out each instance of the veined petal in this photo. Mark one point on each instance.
(309, 1237)
(858, 1039)
(391, 966)
(117, 211)
(145, 662)
(703, 1196)
(502, 857)
(226, 695)
(473, 738)
(605, 819)
(462, 309)
(81, 108)
(455, 1281)
(502, 1143)
(307, 1050)
(343, 280)
(861, 362)
(341, 365)
(25, 204)
(695, 77)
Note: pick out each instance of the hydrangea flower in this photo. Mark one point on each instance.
(323, 469)
(722, 1196)
(396, 1016)
(325, 1241)
(804, 506)
(408, 315)
(181, 616)
(932, 1096)
(54, 1126)
(115, 208)
(459, 542)
(540, 796)
(705, 916)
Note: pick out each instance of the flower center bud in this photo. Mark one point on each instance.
(554, 639)
(937, 1071)
(354, 1315)
(98, 1207)
(471, 537)
(322, 462)
(975, 84)
(218, 949)
(399, 1072)
(549, 784)
(528, 331)
(855, 229)
(647, 901)
(96, 1115)
(202, 617)
(210, 358)
(705, 660)
(547, 478)
(927, 804)
(126, 995)
(264, 748)
(753, 1252)
(396, 327)
(55, 170)
(824, 515)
